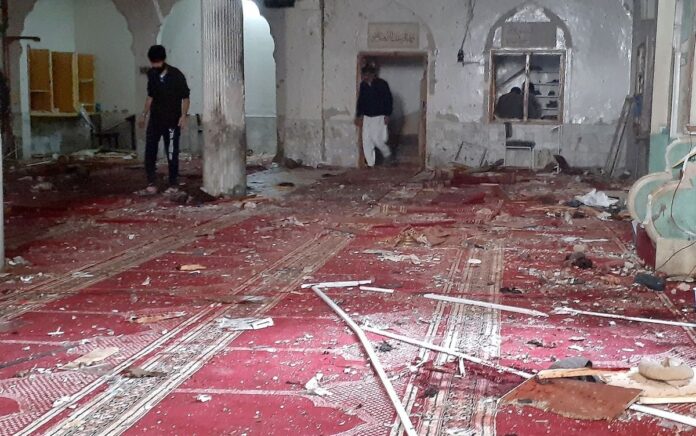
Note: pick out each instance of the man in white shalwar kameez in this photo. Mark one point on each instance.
(375, 106)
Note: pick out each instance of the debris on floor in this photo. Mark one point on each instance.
(573, 399)
(240, 324)
(89, 359)
(150, 319)
(137, 372)
(202, 398)
(191, 268)
(313, 386)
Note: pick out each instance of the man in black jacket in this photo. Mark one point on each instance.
(375, 106)
(167, 107)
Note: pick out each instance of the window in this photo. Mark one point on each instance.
(527, 86)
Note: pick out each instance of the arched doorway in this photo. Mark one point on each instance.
(89, 27)
(181, 34)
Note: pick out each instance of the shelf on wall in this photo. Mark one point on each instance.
(54, 114)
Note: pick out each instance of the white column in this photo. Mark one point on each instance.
(663, 65)
(224, 148)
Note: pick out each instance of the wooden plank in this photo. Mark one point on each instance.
(63, 82)
(86, 81)
(580, 372)
(618, 137)
(40, 80)
(573, 399)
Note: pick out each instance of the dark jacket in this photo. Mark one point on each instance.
(510, 106)
(375, 100)
(167, 93)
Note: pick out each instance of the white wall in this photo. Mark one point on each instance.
(84, 26)
(181, 35)
(598, 76)
(259, 67)
(404, 78)
(102, 31)
(54, 22)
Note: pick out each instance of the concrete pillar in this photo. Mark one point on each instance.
(2, 210)
(224, 148)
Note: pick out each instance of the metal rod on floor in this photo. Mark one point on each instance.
(448, 351)
(486, 304)
(374, 360)
(569, 311)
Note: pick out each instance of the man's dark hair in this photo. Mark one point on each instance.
(516, 90)
(369, 69)
(157, 53)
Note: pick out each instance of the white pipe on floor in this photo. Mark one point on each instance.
(449, 351)
(374, 360)
(521, 310)
(371, 289)
(337, 284)
(569, 311)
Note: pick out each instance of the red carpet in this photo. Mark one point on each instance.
(126, 252)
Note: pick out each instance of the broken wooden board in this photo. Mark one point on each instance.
(580, 372)
(94, 356)
(149, 319)
(573, 399)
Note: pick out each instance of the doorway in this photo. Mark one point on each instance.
(407, 76)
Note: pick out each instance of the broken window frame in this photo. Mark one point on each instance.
(528, 53)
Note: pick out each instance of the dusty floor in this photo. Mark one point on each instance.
(103, 273)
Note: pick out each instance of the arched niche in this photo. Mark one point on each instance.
(181, 34)
(93, 27)
(535, 27)
(528, 49)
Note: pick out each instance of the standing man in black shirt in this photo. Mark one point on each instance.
(375, 106)
(167, 107)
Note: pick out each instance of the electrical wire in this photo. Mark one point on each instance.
(470, 7)
(671, 213)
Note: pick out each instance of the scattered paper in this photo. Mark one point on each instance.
(203, 398)
(18, 261)
(313, 386)
(596, 199)
(241, 324)
(89, 359)
(394, 257)
(58, 332)
(60, 401)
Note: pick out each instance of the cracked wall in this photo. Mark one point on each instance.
(318, 45)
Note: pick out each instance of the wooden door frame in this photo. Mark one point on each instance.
(421, 55)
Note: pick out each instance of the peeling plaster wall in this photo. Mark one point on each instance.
(86, 26)
(598, 77)
(298, 36)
